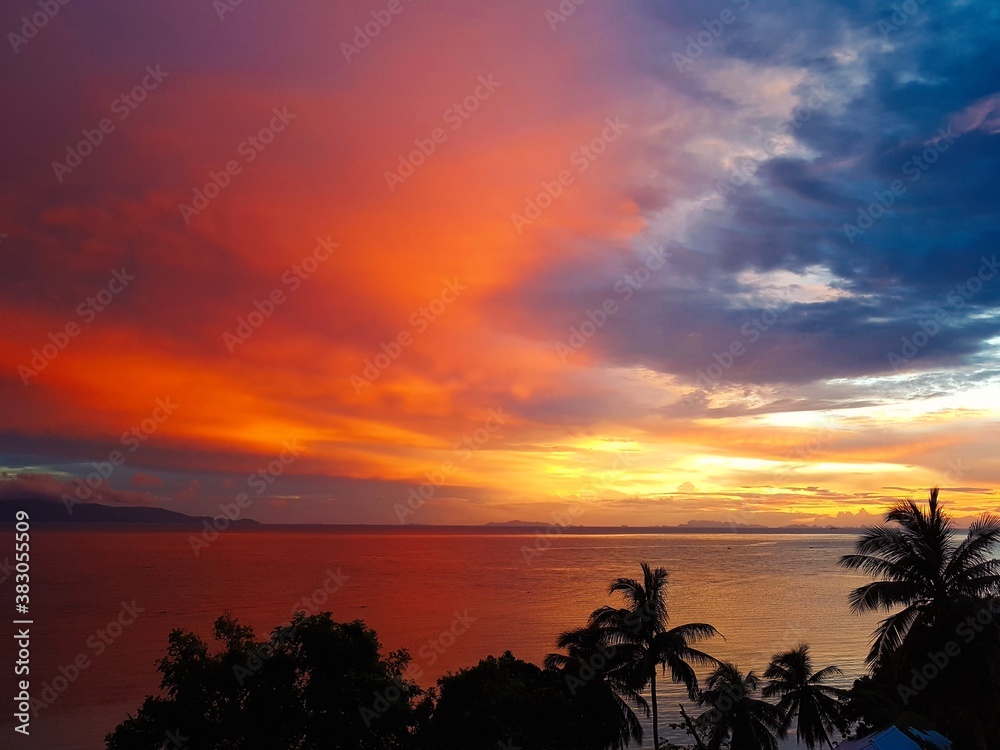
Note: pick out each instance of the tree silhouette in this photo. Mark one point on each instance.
(641, 628)
(803, 697)
(503, 702)
(600, 679)
(922, 570)
(736, 715)
(938, 656)
(316, 683)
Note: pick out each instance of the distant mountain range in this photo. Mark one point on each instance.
(47, 510)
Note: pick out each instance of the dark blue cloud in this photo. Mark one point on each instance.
(901, 97)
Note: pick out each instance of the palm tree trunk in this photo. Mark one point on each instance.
(656, 719)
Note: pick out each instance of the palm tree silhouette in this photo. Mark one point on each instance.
(641, 628)
(735, 714)
(941, 584)
(922, 570)
(599, 679)
(804, 697)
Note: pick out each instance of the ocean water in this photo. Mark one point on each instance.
(764, 592)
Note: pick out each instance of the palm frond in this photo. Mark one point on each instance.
(882, 595)
(825, 673)
(890, 633)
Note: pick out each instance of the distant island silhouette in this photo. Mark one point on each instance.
(47, 510)
(50, 510)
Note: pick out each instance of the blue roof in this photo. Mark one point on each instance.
(896, 739)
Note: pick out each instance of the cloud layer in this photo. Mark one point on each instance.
(749, 248)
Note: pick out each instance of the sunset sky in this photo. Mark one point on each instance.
(663, 261)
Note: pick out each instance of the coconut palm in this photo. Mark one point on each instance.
(803, 697)
(923, 570)
(641, 628)
(599, 680)
(939, 582)
(736, 714)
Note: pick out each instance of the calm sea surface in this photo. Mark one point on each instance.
(764, 592)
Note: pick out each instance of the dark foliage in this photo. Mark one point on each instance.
(316, 684)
